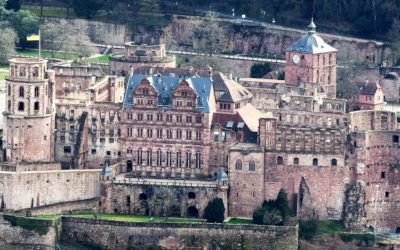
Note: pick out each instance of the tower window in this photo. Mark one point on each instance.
(279, 160)
(36, 106)
(315, 162)
(334, 162)
(21, 91)
(36, 91)
(386, 194)
(21, 106)
(383, 175)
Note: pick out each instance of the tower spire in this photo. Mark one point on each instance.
(312, 27)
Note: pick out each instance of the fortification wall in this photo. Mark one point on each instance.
(123, 235)
(162, 200)
(41, 236)
(40, 188)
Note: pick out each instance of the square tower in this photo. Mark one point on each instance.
(311, 60)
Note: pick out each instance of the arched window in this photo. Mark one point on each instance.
(9, 90)
(334, 162)
(129, 151)
(143, 197)
(21, 91)
(191, 195)
(238, 165)
(36, 91)
(252, 166)
(21, 106)
(296, 161)
(315, 162)
(279, 160)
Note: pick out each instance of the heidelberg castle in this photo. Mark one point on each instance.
(72, 133)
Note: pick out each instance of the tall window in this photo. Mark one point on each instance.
(36, 91)
(149, 159)
(315, 162)
(21, 106)
(279, 160)
(35, 71)
(252, 166)
(159, 161)
(188, 159)
(238, 165)
(21, 92)
(9, 90)
(36, 106)
(139, 156)
(9, 105)
(178, 159)
(198, 159)
(169, 158)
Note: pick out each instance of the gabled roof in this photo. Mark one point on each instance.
(250, 116)
(166, 85)
(311, 43)
(366, 88)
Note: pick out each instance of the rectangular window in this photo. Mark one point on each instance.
(149, 117)
(169, 134)
(159, 133)
(149, 133)
(159, 117)
(129, 132)
(198, 135)
(178, 134)
(189, 104)
(169, 118)
(108, 153)
(216, 135)
(130, 116)
(178, 118)
(102, 140)
(188, 135)
(67, 149)
(199, 119)
(188, 119)
(140, 117)
(93, 151)
(140, 133)
(383, 175)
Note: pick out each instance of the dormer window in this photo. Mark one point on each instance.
(184, 93)
(145, 92)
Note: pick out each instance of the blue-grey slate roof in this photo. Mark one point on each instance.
(311, 43)
(165, 86)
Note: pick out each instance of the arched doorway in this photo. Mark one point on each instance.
(192, 212)
(129, 166)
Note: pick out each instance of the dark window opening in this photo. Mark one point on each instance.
(67, 149)
(191, 195)
(395, 139)
(386, 194)
(383, 175)
(279, 160)
(143, 197)
(36, 106)
(315, 162)
(334, 162)
(21, 106)
(296, 161)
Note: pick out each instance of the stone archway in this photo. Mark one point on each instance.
(192, 212)
(129, 166)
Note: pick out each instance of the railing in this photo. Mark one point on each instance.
(145, 59)
(187, 183)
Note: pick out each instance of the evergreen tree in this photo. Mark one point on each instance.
(87, 8)
(214, 211)
(13, 5)
(282, 204)
(259, 70)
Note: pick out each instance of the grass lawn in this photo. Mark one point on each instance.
(3, 75)
(330, 226)
(240, 221)
(124, 217)
(47, 54)
(101, 59)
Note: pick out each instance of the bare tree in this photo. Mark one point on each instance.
(8, 38)
(63, 37)
(210, 36)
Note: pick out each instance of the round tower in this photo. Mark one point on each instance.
(29, 115)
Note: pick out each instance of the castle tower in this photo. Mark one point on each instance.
(29, 116)
(311, 60)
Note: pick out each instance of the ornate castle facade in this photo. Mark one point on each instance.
(188, 136)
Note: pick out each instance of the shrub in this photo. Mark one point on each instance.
(214, 211)
(259, 70)
(272, 217)
(258, 215)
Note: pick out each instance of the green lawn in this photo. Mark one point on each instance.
(240, 221)
(330, 226)
(47, 54)
(3, 75)
(124, 217)
(101, 59)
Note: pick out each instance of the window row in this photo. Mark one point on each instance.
(22, 91)
(168, 118)
(251, 166)
(296, 161)
(178, 159)
(21, 106)
(168, 134)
